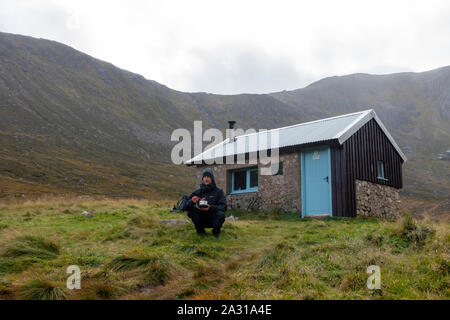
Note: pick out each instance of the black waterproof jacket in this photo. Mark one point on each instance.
(214, 195)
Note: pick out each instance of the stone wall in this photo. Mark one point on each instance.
(278, 192)
(376, 200)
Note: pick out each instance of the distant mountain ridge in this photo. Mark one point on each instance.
(70, 123)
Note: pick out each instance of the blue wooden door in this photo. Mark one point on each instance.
(316, 182)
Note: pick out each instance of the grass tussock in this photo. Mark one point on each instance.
(132, 260)
(353, 281)
(157, 273)
(32, 247)
(154, 270)
(375, 239)
(414, 233)
(40, 289)
(143, 220)
(100, 290)
(13, 265)
(124, 262)
(208, 275)
(277, 255)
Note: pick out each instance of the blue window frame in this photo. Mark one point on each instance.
(381, 170)
(244, 180)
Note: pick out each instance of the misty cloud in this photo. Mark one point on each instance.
(235, 46)
(244, 70)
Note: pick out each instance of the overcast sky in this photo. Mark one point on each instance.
(243, 46)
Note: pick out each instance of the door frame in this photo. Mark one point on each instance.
(303, 179)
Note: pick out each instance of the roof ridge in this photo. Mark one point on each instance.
(351, 125)
(305, 123)
(325, 119)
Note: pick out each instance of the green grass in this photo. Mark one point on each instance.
(31, 246)
(124, 252)
(154, 269)
(41, 290)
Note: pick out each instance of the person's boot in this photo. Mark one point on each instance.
(201, 232)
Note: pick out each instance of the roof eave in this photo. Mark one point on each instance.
(365, 117)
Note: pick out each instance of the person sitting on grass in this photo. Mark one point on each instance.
(211, 215)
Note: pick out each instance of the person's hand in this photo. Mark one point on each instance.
(205, 209)
(195, 199)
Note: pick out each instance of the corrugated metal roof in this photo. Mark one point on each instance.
(339, 128)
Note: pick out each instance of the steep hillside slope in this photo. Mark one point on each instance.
(70, 123)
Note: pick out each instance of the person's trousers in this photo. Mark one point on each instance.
(206, 219)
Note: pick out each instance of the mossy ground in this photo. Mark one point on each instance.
(125, 253)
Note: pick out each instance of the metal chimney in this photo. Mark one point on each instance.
(230, 130)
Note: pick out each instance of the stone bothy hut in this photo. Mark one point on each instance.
(343, 166)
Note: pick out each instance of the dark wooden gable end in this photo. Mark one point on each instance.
(358, 158)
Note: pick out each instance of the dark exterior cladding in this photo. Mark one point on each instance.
(356, 159)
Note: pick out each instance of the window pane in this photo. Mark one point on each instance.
(253, 178)
(240, 180)
(381, 169)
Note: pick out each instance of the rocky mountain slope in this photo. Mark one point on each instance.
(72, 124)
